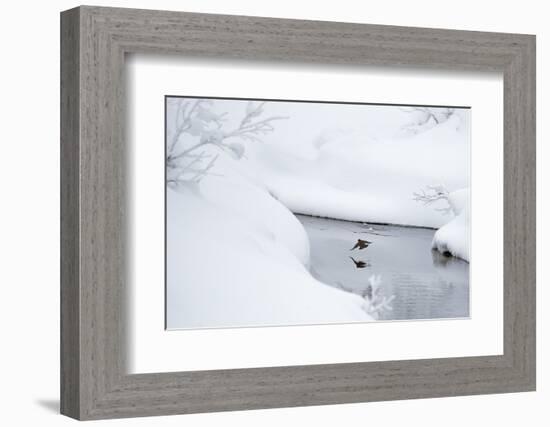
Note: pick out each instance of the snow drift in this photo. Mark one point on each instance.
(454, 237)
(355, 177)
(238, 257)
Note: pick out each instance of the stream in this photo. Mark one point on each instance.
(425, 284)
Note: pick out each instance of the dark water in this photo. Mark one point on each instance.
(425, 284)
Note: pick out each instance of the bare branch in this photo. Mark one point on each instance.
(422, 116)
(197, 120)
(432, 194)
(185, 122)
(262, 126)
(199, 174)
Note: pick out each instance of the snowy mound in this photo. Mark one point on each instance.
(238, 257)
(454, 237)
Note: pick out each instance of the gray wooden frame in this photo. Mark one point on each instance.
(94, 382)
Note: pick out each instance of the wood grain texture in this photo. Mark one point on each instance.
(70, 292)
(94, 382)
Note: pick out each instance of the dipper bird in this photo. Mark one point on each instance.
(361, 244)
(359, 264)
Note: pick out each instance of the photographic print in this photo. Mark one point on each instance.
(292, 212)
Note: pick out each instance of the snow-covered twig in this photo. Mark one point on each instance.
(375, 303)
(248, 128)
(197, 127)
(432, 194)
(426, 117)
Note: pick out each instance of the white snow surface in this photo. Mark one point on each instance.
(357, 177)
(454, 237)
(238, 257)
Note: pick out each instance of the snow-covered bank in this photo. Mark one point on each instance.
(237, 257)
(454, 237)
(356, 177)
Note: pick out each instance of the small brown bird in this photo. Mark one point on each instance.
(359, 263)
(361, 244)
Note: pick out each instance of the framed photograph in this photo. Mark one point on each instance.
(315, 212)
(263, 213)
